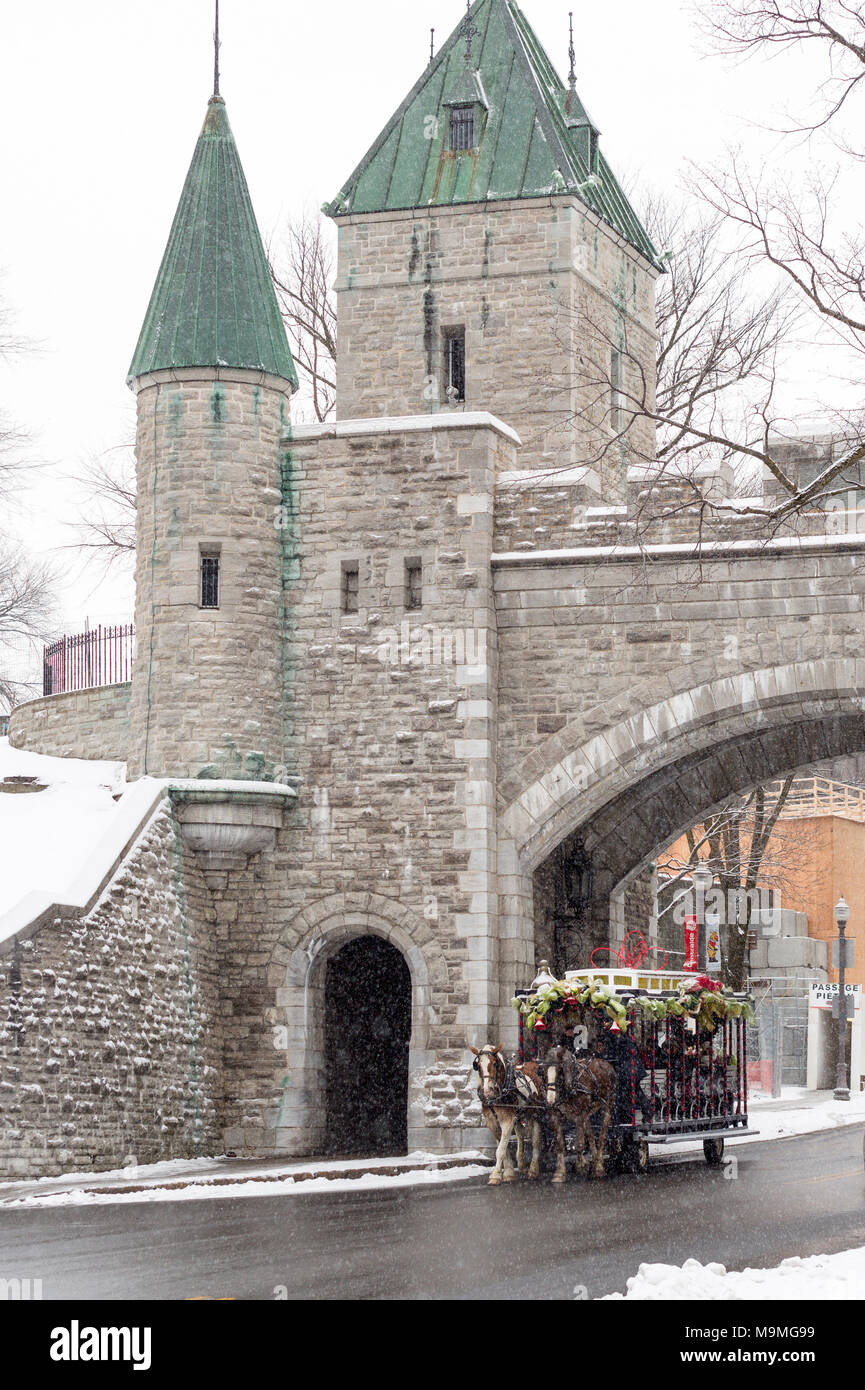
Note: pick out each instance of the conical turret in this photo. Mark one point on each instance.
(213, 304)
(213, 377)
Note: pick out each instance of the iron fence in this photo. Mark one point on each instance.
(99, 656)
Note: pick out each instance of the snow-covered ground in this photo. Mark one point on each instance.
(197, 1177)
(45, 835)
(803, 1279)
(839, 1276)
(798, 1112)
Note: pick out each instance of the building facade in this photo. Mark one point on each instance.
(409, 710)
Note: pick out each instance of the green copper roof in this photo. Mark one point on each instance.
(528, 148)
(213, 304)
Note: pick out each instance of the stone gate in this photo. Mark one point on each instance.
(445, 671)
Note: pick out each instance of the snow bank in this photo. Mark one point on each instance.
(805, 1118)
(815, 1277)
(44, 836)
(252, 1187)
(809, 1116)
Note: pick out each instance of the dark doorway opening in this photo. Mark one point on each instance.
(367, 1027)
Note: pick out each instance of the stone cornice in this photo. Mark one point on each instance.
(778, 547)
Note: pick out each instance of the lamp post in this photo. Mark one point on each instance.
(702, 879)
(842, 917)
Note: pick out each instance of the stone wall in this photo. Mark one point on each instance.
(612, 635)
(79, 724)
(110, 1024)
(543, 292)
(392, 733)
(206, 682)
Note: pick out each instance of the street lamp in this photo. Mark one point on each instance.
(842, 917)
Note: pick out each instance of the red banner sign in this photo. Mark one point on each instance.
(691, 932)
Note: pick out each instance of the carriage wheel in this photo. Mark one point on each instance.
(714, 1152)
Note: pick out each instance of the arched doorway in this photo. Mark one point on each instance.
(367, 1027)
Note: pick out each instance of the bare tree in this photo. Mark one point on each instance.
(736, 845)
(694, 405)
(106, 522)
(790, 231)
(831, 29)
(26, 585)
(303, 280)
(765, 286)
(718, 344)
(27, 589)
(13, 439)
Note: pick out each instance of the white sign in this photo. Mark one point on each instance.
(823, 995)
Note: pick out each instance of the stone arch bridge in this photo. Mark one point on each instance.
(640, 690)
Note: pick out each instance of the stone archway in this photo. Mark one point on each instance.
(320, 931)
(640, 783)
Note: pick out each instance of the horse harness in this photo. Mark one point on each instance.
(578, 1087)
(515, 1089)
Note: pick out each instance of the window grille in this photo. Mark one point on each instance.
(463, 128)
(413, 584)
(210, 581)
(455, 364)
(350, 588)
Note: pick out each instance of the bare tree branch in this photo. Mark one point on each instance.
(737, 846)
(303, 279)
(27, 592)
(830, 28)
(106, 521)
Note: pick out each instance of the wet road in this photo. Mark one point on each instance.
(462, 1240)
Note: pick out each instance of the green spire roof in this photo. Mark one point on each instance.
(213, 304)
(529, 144)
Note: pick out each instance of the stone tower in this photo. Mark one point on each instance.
(489, 260)
(213, 377)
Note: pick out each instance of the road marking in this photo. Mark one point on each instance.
(828, 1177)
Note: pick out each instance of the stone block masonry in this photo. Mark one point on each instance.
(205, 686)
(392, 731)
(536, 284)
(613, 636)
(110, 1029)
(78, 724)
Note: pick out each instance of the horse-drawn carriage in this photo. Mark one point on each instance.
(628, 1057)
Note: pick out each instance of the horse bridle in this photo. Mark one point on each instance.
(506, 1078)
(579, 1086)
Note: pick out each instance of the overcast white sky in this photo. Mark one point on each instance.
(102, 101)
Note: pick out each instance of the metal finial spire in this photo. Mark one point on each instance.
(572, 76)
(469, 30)
(432, 44)
(216, 54)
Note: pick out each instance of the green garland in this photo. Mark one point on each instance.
(707, 1002)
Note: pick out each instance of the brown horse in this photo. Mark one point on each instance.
(512, 1099)
(577, 1089)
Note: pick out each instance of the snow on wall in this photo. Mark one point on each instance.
(109, 1024)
